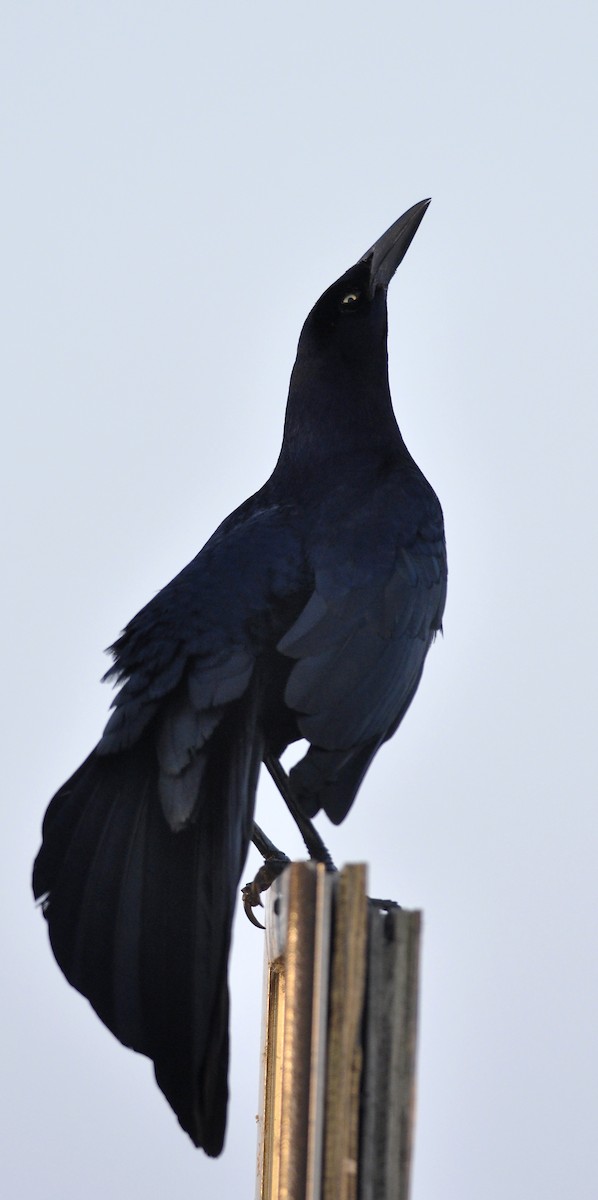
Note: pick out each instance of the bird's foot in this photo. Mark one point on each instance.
(271, 868)
(273, 865)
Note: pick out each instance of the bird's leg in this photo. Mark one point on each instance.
(274, 860)
(266, 848)
(315, 846)
(274, 864)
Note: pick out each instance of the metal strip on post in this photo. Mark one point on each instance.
(339, 1039)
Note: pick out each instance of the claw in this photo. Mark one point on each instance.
(273, 866)
(251, 898)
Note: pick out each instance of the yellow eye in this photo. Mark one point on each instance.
(350, 300)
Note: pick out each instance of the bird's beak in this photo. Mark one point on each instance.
(390, 249)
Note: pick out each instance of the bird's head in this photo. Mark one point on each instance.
(339, 387)
(349, 323)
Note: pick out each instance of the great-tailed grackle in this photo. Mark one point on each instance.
(308, 614)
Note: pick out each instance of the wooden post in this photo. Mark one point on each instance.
(390, 1035)
(339, 1036)
(345, 1054)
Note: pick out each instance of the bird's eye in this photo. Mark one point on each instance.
(351, 300)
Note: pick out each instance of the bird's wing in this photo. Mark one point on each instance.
(359, 648)
(191, 652)
(185, 702)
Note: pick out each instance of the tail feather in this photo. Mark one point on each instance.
(140, 916)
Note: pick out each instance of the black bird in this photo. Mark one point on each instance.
(308, 614)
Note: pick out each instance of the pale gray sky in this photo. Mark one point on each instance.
(180, 184)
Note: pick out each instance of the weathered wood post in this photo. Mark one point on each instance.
(339, 1040)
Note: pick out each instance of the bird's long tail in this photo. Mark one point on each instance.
(140, 917)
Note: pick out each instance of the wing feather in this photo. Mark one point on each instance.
(359, 654)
